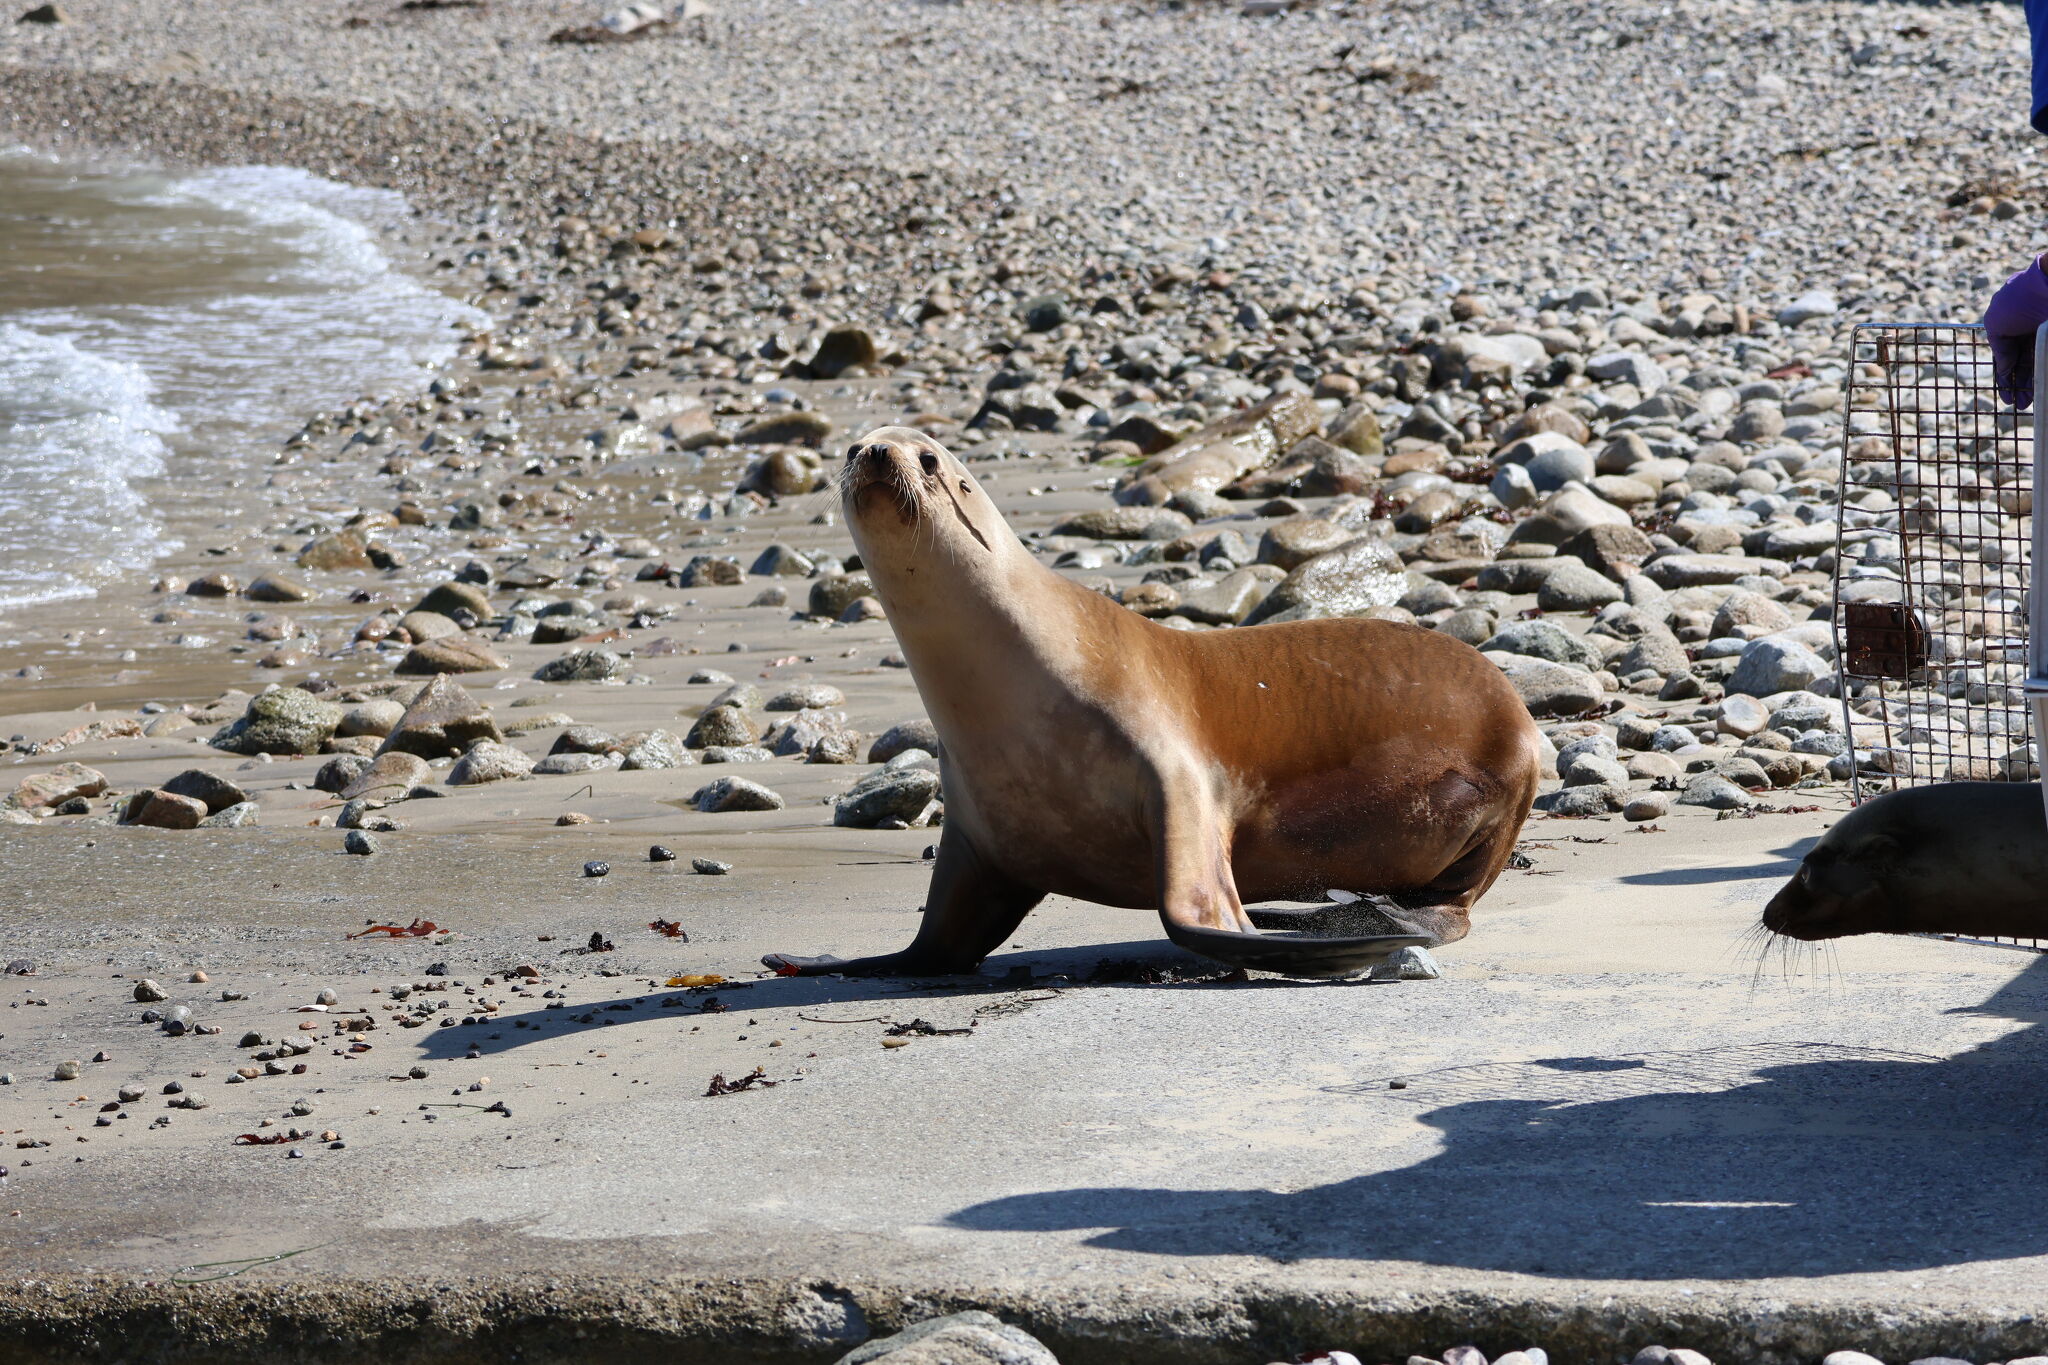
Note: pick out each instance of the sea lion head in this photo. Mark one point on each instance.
(909, 503)
(1843, 885)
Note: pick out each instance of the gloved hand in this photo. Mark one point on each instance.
(2016, 311)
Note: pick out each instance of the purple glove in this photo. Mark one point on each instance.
(2017, 310)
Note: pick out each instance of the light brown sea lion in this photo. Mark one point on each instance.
(1965, 858)
(1089, 752)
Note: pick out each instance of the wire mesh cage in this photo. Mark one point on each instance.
(1933, 566)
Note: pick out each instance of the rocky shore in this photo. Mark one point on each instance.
(1525, 323)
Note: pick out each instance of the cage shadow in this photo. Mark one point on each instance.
(1823, 1168)
(1789, 858)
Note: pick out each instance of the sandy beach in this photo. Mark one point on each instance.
(1550, 303)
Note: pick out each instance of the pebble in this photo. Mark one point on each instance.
(597, 868)
(710, 867)
(148, 990)
(358, 842)
(660, 853)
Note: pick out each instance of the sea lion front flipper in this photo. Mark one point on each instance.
(1363, 917)
(971, 909)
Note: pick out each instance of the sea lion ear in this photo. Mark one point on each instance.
(1879, 846)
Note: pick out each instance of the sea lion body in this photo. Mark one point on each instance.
(1965, 858)
(1089, 752)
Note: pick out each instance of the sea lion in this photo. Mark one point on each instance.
(1950, 858)
(1089, 752)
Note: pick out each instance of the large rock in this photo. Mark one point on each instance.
(658, 749)
(734, 793)
(1751, 609)
(1542, 640)
(796, 735)
(211, 790)
(164, 810)
(1348, 581)
(1357, 430)
(486, 761)
(284, 720)
(1551, 458)
(394, 775)
(55, 787)
(1699, 571)
(1138, 522)
(1655, 649)
(722, 727)
(1613, 550)
(442, 722)
(1223, 451)
(1773, 665)
(1295, 541)
(906, 735)
(840, 349)
(1227, 601)
(595, 664)
(1549, 689)
(455, 596)
(1571, 586)
(786, 429)
(970, 1338)
(451, 654)
(834, 593)
(335, 551)
(1565, 514)
(375, 718)
(277, 587)
(785, 474)
(886, 796)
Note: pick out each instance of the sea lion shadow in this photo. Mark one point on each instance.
(1790, 856)
(1860, 1160)
(1004, 974)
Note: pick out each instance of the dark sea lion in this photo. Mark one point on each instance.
(1951, 858)
(1089, 752)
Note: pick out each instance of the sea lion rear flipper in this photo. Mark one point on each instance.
(1294, 954)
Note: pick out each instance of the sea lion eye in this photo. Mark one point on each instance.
(930, 462)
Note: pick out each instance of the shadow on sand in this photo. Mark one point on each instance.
(1791, 1159)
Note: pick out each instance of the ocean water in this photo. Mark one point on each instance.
(160, 332)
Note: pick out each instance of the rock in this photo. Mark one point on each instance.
(711, 571)
(65, 782)
(1849, 1358)
(1225, 602)
(734, 793)
(785, 474)
(163, 810)
(834, 593)
(44, 14)
(1817, 303)
(456, 597)
(709, 867)
(1551, 458)
(1356, 577)
(1715, 792)
(805, 696)
(1565, 514)
(442, 722)
(393, 774)
(1125, 523)
(1580, 803)
(1773, 664)
(1612, 550)
(1408, 964)
(1549, 689)
(238, 816)
(597, 867)
(839, 746)
(1628, 367)
(1749, 609)
(487, 761)
(1356, 429)
(335, 551)
(451, 654)
(780, 561)
(906, 735)
(376, 718)
(1656, 649)
(1574, 587)
(211, 790)
(1296, 540)
(596, 664)
(1740, 715)
(1542, 640)
(722, 726)
(1697, 571)
(801, 731)
(1647, 806)
(969, 1338)
(658, 749)
(277, 588)
(337, 772)
(284, 720)
(585, 739)
(423, 626)
(786, 429)
(358, 843)
(68, 1071)
(148, 991)
(839, 350)
(885, 795)
(1222, 451)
